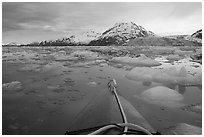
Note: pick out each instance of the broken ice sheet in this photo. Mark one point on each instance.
(162, 96)
(141, 61)
(65, 58)
(88, 55)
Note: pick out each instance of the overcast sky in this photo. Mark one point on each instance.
(28, 22)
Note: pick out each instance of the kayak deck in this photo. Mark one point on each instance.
(103, 110)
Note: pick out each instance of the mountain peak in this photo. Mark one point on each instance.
(124, 23)
(128, 28)
(121, 33)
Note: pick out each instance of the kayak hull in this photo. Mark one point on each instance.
(103, 110)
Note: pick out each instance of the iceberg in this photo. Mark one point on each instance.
(162, 96)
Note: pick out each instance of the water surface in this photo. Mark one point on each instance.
(54, 92)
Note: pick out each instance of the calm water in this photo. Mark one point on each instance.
(55, 92)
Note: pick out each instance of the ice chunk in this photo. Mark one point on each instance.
(187, 48)
(77, 55)
(159, 50)
(53, 87)
(65, 58)
(173, 57)
(183, 53)
(31, 67)
(8, 57)
(141, 61)
(14, 126)
(162, 96)
(197, 108)
(88, 55)
(92, 83)
(187, 64)
(14, 85)
(166, 76)
(184, 129)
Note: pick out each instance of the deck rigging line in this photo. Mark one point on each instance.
(112, 86)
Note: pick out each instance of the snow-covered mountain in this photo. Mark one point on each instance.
(11, 44)
(128, 30)
(121, 33)
(125, 33)
(72, 40)
(85, 37)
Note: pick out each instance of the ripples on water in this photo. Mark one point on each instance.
(53, 92)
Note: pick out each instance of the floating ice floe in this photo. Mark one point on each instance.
(88, 55)
(184, 129)
(92, 83)
(12, 86)
(166, 76)
(27, 56)
(183, 53)
(141, 61)
(192, 68)
(31, 67)
(76, 55)
(53, 87)
(159, 50)
(173, 57)
(14, 126)
(162, 96)
(88, 64)
(187, 48)
(196, 108)
(65, 58)
(8, 57)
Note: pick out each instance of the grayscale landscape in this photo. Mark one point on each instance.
(57, 62)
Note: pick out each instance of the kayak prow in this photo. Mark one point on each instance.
(134, 116)
(104, 110)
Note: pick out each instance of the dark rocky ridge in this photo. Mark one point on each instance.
(162, 41)
(197, 34)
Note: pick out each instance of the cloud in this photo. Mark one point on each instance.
(63, 18)
(16, 14)
(183, 10)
